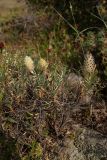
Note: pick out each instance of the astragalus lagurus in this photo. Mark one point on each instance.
(29, 64)
(89, 64)
(43, 64)
(90, 78)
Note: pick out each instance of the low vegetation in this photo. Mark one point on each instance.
(50, 80)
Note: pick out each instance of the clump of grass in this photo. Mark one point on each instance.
(25, 97)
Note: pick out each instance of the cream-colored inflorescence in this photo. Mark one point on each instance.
(43, 64)
(29, 64)
(90, 78)
(89, 65)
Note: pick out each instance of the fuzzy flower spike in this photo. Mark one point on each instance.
(29, 64)
(89, 79)
(89, 65)
(43, 64)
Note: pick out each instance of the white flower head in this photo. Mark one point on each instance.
(89, 65)
(43, 64)
(29, 64)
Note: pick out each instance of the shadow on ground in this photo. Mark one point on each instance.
(8, 150)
